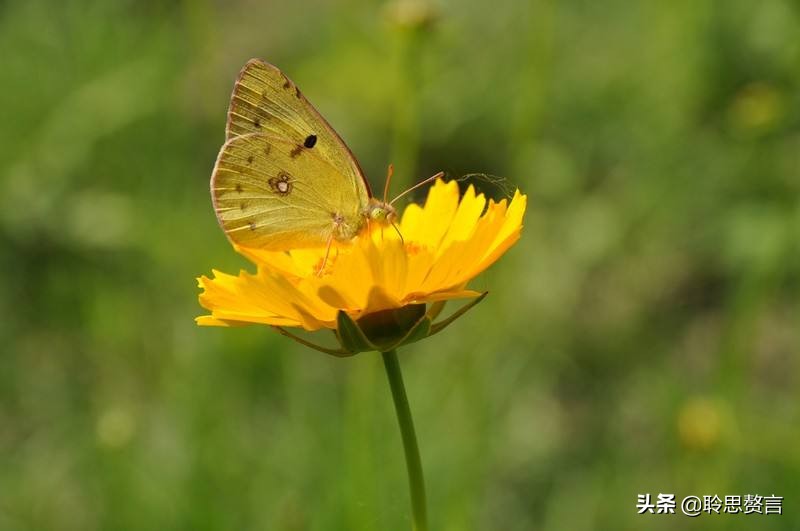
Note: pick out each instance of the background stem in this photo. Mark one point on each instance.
(408, 46)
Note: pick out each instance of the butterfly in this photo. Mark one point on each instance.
(284, 178)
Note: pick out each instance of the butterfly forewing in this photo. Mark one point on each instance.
(268, 195)
(264, 100)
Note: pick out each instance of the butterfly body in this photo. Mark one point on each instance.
(284, 178)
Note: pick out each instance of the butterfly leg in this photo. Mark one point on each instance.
(397, 229)
(321, 269)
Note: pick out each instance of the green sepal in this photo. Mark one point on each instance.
(339, 353)
(419, 331)
(435, 309)
(350, 335)
(389, 329)
(441, 325)
(386, 330)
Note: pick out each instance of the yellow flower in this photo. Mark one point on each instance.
(444, 245)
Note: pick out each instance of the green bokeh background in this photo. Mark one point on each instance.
(642, 337)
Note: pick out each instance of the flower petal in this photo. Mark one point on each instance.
(443, 246)
(437, 215)
(469, 212)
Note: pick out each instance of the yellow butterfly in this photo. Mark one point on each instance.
(284, 179)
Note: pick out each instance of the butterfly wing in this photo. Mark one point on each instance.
(265, 100)
(268, 195)
(283, 134)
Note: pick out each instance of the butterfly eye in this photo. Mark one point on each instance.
(378, 214)
(311, 141)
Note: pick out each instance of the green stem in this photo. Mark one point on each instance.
(416, 480)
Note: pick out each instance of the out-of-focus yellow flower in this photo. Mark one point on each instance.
(701, 423)
(412, 14)
(757, 109)
(444, 245)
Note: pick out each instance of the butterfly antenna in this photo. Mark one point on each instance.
(389, 174)
(426, 181)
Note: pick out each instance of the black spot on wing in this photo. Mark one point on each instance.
(257, 123)
(308, 143)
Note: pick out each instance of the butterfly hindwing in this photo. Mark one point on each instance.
(267, 195)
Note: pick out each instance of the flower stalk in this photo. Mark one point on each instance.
(382, 289)
(416, 480)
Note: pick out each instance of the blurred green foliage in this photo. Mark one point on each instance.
(641, 337)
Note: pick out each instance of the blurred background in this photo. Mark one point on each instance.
(642, 337)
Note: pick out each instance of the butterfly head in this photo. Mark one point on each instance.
(381, 212)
